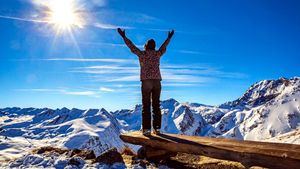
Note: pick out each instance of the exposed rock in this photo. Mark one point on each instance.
(85, 154)
(77, 161)
(109, 157)
(43, 150)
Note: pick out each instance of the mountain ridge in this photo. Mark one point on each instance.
(267, 111)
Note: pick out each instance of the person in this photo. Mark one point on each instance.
(150, 77)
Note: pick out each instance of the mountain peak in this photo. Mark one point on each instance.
(264, 91)
(170, 101)
(103, 110)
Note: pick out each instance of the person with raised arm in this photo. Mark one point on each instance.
(150, 77)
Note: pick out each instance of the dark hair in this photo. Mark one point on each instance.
(150, 45)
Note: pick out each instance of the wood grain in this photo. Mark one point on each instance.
(249, 153)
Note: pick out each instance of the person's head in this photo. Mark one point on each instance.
(150, 45)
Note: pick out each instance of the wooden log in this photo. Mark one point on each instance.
(153, 153)
(249, 153)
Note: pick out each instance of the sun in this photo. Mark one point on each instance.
(64, 14)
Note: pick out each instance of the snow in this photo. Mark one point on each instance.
(58, 128)
(268, 111)
(269, 118)
(292, 137)
(57, 161)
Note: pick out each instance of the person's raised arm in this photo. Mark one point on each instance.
(163, 47)
(128, 42)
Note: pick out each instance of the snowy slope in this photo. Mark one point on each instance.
(292, 137)
(91, 129)
(269, 108)
(269, 111)
(176, 117)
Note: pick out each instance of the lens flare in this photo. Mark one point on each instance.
(64, 14)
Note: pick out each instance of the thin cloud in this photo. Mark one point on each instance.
(154, 29)
(174, 73)
(111, 60)
(110, 26)
(130, 78)
(23, 19)
(136, 78)
(90, 92)
(167, 84)
(105, 72)
(180, 84)
(106, 89)
(81, 93)
(171, 77)
(126, 85)
(190, 52)
(113, 67)
(106, 69)
(127, 17)
(108, 44)
(166, 77)
(102, 44)
(40, 90)
(106, 26)
(184, 66)
(61, 91)
(96, 25)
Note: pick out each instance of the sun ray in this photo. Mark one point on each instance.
(64, 14)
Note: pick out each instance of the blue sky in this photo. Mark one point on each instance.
(220, 48)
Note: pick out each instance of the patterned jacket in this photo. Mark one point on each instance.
(149, 60)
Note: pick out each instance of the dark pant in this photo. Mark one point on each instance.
(151, 91)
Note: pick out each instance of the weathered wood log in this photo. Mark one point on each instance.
(154, 153)
(249, 153)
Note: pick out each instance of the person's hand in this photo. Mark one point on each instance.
(121, 32)
(170, 34)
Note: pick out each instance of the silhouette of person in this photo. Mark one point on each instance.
(150, 77)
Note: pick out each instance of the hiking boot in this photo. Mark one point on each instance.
(156, 131)
(146, 132)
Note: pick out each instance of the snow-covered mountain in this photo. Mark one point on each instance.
(182, 118)
(269, 110)
(91, 129)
